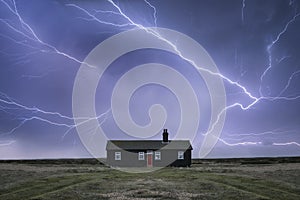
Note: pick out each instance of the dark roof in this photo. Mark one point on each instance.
(147, 144)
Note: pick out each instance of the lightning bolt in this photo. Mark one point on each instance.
(247, 143)
(245, 136)
(255, 134)
(93, 17)
(46, 115)
(289, 82)
(30, 35)
(154, 11)
(102, 11)
(7, 143)
(27, 32)
(258, 143)
(10, 103)
(286, 143)
(156, 34)
(104, 117)
(34, 36)
(269, 50)
(33, 109)
(239, 143)
(283, 58)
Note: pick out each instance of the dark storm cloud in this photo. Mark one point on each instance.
(35, 76)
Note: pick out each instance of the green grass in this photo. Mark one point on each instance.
(217, 181)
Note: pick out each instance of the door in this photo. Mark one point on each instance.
(149, 158)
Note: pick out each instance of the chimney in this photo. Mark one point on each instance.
(165, 135)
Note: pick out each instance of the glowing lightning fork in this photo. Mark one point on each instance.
(30, 34)
(156, 34)
(93, 17)
(70, 125)
(255, 99)
(269, 48)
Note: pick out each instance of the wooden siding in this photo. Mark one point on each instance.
(130, 158)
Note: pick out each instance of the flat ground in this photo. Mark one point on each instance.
(204, 180)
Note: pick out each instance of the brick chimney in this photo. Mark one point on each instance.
(165, 135)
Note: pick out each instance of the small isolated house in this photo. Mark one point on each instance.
(149, 153)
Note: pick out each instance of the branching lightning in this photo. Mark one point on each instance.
(104, 117)
(46, 115)
(93, 17)
(255, 99)
(255, 134)
(27, 32)
(269, 50)
(29, 35)
(257, 137)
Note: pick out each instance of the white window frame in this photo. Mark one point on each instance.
(141, 156)
(180, 155)
(157, 155)
(118, 155)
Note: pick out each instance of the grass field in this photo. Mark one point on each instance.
(206, 179)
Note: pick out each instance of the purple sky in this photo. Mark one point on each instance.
(253, 43)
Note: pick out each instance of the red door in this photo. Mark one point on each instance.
(149, 159)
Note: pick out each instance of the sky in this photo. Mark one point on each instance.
(45, 46)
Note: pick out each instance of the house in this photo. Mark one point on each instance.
(149, 153)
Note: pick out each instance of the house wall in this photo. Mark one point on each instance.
(130, 158)
(186, 162)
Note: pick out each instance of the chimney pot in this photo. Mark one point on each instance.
(165, 135)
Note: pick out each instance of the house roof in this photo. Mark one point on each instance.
(148, 144)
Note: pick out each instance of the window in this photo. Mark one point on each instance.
(180, 155)
(118, 155)
(157, 155)
(141, 156)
